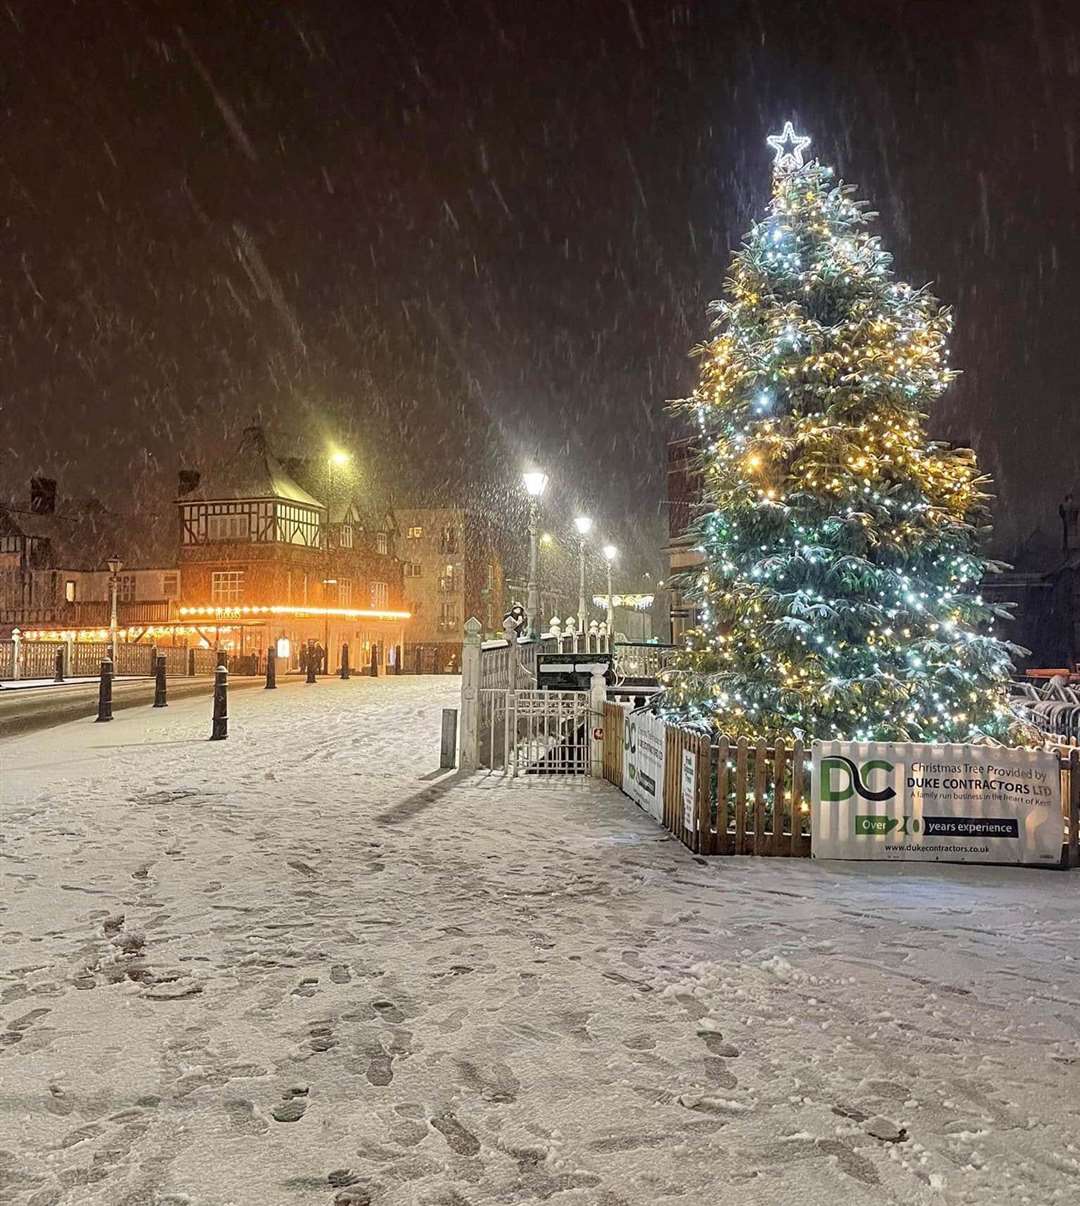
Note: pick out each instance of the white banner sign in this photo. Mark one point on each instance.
(643, 761)
(959, 803)
(689, 779)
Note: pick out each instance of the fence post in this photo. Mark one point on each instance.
(399, 653)
(448, 747)
(58, 677)
(104, 703)
(597, 699)
(191, 663)
(220, 727)
(345, 660)
(16, 663)
(470, 695)
(271, 667)
(374, 661)
(159, 681)
(1074, 808)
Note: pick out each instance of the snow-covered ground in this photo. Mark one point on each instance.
(301, 967)
(21, 684)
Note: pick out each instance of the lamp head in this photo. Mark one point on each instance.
(583, 524)
(535, 482)
(340, 457)
(115, 565)
(610, 552)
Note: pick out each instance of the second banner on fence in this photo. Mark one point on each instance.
(643, 761)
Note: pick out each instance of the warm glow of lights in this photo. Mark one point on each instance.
(348, 613)
(535, 482)
(610, 552)
(339, 457)
(583, 524)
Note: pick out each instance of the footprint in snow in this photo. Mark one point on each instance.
(458, 1139)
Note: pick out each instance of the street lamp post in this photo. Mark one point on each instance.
(535, 482)
(115, 566)
(339, 458)
(584, 526)
(610, 553)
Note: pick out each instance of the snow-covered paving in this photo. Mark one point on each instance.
(300, 967)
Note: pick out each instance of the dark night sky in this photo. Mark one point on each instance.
(452, 235)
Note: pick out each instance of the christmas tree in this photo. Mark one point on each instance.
(839, 595)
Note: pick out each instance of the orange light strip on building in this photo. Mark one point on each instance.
(102, 634)
(348, 613)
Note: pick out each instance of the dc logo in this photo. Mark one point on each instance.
(841, 779)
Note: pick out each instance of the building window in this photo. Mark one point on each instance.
(297, 525)
(447, 580)
(382, 543)
(344, 592)
(413, 569)
(125, 588)
(229, 527)
(346, 535)
(226, 587)
(449, 539)
(448, 617)
(490, 576)
(490, 615)
(415, 533)
(170, 586)
(69, 590)
(380, 594)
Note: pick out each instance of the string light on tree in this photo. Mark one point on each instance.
(840, 592)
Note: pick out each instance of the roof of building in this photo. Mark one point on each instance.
(250, 470)
(82, 534)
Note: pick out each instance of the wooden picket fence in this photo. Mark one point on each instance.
(754, 797)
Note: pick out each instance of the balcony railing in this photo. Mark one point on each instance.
(90, 613)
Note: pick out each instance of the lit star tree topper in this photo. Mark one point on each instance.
(839, 595)
(789, 148)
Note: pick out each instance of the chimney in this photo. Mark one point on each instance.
(43, 495)
(186, 481)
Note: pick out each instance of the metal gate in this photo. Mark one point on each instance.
(531, 732)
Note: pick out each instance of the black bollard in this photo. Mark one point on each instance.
(159, 682)
(311, 667)
(345, 660)
(59, 675)
(104, 699)
(374, 661)
(220, 729)
(397, 659)
(271, 669)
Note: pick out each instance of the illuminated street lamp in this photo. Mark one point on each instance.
(337, 459)
(115, 566)
(535, 483)
(584, 526)
(610, 553)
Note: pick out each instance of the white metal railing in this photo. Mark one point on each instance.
(551, 733)
(508, 724)
(535, 732)
(641, 660)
